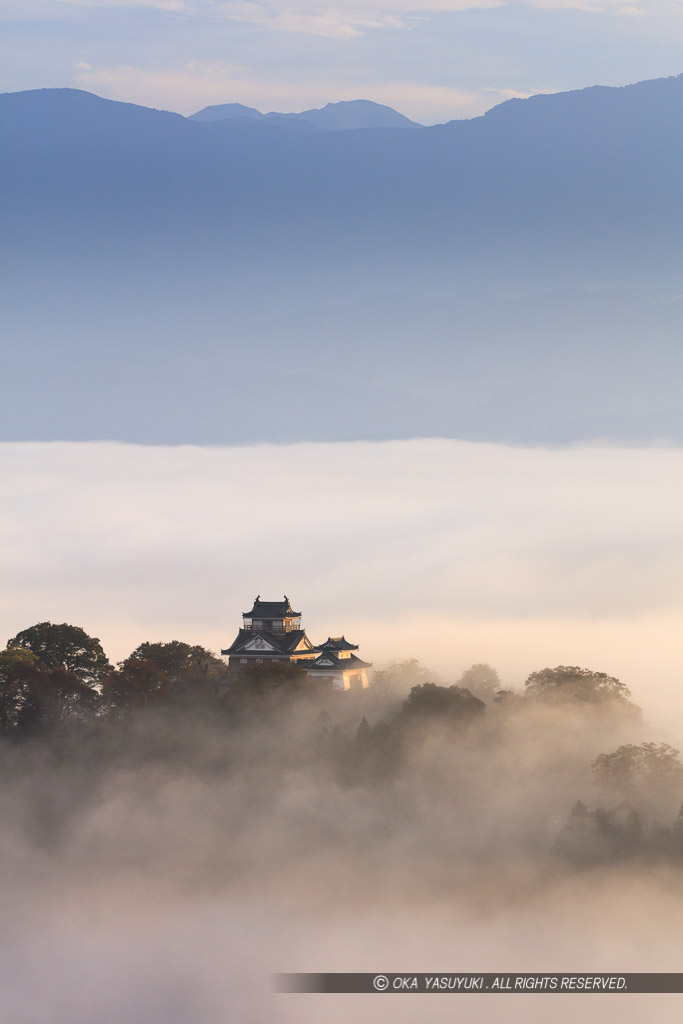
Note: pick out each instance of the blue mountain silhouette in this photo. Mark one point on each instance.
(513, 277)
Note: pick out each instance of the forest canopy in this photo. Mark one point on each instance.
(571, 736)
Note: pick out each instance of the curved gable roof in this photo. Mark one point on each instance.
(271, 609)
(285, 643)
(336, 643)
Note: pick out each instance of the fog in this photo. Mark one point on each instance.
(446, 551)
(158, 866)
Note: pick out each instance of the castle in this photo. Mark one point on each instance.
(272, 631)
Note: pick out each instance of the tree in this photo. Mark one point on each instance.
(429, 702)
(569, 682)
(592, 837)
(179, 660)
(370, 756)
(508, 699)
(163, 672)
(400, 676)
(272, 678)
(481, 680)
(363, 732)
(677, 831)
(34, 697)
(134, 684)
(644, 766)
(18, 675)
(64, 647)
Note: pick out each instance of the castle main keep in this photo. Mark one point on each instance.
(271, 631)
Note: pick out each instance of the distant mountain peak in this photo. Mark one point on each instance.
(349, 114)
(344, 115)
(227, 112)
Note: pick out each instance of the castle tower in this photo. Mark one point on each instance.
(271, 631)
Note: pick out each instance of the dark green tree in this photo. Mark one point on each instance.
(162, 673)
(134, 684)
(431, 703)
(65, 647)
(180, 663)
(33, 697)
(275, 678)
(179, 660)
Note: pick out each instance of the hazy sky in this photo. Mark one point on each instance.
(448, 551)
(433, 61)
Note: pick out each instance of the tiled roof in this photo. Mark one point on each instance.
(350, 664)
(336, 643)
(271, 610)
(284, 643)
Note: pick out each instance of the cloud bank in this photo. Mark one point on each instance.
(447, 551)
(157, 870)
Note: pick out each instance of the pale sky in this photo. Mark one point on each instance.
(448, 551)
(433, 61)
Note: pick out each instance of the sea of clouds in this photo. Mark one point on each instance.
(167, 891)
(447, 551)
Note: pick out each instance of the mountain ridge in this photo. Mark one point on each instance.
(173, 280)
(340, 116)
